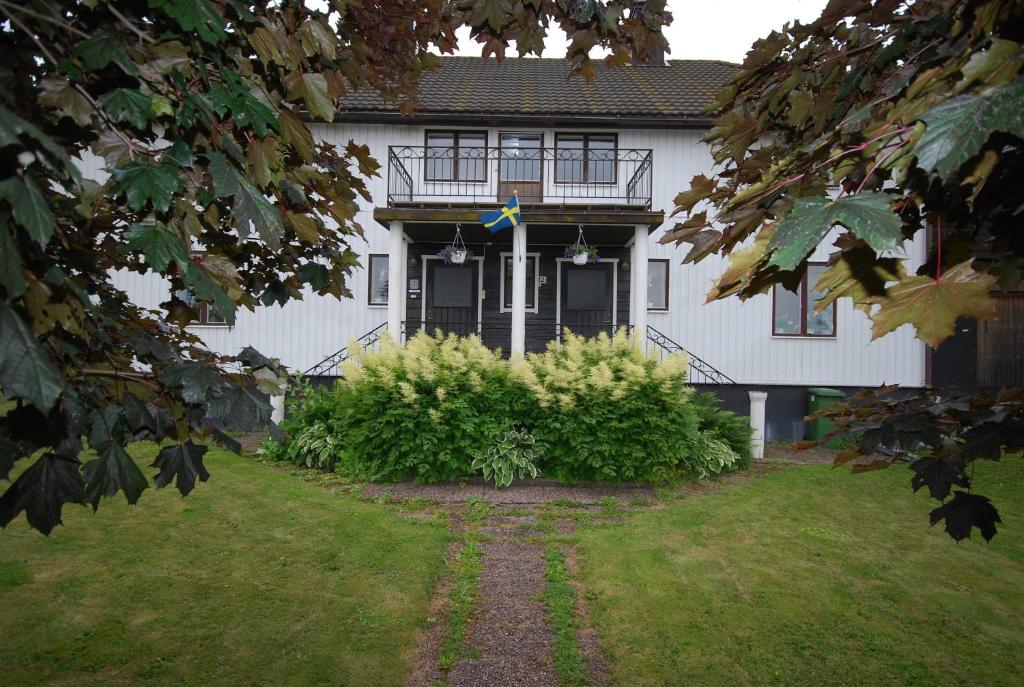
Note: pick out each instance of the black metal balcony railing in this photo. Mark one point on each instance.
(482, 177)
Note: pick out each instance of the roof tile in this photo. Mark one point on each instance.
(543, 86)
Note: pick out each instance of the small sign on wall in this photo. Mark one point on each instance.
(542, 280)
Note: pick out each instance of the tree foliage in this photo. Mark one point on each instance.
(881, 120)
(212, 180)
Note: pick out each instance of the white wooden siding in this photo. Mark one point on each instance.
(736, 337)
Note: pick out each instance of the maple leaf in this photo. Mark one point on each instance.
(960, 126)
(859, 276)
(700, 188)
(742, 264)
(932, 305)
(865, 214)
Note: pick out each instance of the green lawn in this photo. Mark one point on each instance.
(811, 577)
(257, 578)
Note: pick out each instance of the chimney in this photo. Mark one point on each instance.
(655, 52)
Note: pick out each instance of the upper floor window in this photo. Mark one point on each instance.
(456, 156)
(793, 313)
(377, 288)
(585, 158)
(521, 156)
(657, 284)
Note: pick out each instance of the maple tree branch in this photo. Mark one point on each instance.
(124, 20)
(42, 17)
(53, 60)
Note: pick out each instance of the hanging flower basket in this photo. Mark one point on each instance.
(454, 255)
(581, 253)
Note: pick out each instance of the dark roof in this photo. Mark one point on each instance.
(542, 87)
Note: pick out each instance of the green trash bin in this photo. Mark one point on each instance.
(819, 398)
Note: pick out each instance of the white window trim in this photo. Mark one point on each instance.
(668, 285)
(536, 283)
(369, 258)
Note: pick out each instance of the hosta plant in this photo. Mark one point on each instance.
(712, 456)
(511, 457)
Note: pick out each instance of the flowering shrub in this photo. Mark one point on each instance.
(600, 408)
(607, 412)
(423, 410)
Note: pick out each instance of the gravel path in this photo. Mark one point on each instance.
(531, 493)
(509, 642)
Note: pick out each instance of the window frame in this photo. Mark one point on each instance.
(500, 149)
(805, 304)
(369, 280)
(536, 283)
(668, 280)
(586, 148)
(456, 175)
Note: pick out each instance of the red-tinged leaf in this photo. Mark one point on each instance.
(703, 244)
(41, 492)
(964, 512)
(933, 305)
(182, 464)
(845, 455)
(700, 188)
(871, 466)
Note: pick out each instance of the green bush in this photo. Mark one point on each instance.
(600, 408)
(731, 428)
(314, 440)
(423, 410)
(608, 412)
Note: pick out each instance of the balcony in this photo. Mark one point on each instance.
(432, 176)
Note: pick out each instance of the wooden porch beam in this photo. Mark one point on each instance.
(533, 215)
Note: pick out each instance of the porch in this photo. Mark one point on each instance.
(517, 290)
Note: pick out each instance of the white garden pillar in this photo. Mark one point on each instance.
(396, 254)
(518, 346)
(277, 409)
(757, 422)
(638, 285)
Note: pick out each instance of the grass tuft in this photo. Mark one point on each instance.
(466, 573)
(560, 599)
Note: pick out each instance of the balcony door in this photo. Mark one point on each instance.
(451, 299)
(522, 167)
(587, 298)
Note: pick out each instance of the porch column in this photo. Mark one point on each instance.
(638, 292)
(396, 294)
(518, 346)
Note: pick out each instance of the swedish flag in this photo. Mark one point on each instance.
(504, 218)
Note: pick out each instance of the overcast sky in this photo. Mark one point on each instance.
(704, 29)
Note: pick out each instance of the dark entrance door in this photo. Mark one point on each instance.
(588, 298)
(451, 297)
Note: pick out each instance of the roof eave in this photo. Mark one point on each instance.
(523, 119)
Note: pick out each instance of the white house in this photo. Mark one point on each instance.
(604, 158)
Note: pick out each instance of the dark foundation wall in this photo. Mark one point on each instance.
(496, 326)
